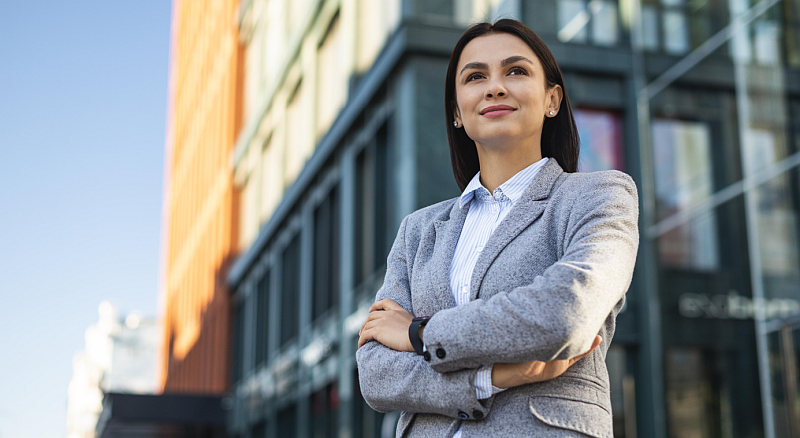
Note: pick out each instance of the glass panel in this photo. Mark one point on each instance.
(326, 255)
(649, 27)
(331, 78)
(676, 35)
(287, 421)
(290, 283)
(259, 430)
(619, 361)
(324, 412)
(726, 228)
(777, 223)
(299, 133)
(604, 22)
(262, 319)
(601, 140)
(683, 180)
(572, 20)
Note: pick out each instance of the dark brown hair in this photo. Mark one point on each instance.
(559, 134)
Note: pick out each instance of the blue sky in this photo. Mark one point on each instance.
(83, 97)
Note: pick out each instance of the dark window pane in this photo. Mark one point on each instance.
(287, 419)
(290, 290)
(259, 430)
(382, 237)
(262, 319)
(365, 217)
(326, 250)
(324, 408)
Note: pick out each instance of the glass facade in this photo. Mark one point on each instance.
(698, 101)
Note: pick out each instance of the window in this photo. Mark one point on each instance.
(601, 140)
(271, 176)
(593, 21)
(262, 319)
(290, 290)
(287, 421)
(372, 207)
(299, 143)
(331, 78)
(683, 177)
(259, 430)
(325, 412)
(326, 255)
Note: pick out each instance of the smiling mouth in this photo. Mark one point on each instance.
(497, 111)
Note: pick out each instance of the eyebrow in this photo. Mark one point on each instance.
(503, 63)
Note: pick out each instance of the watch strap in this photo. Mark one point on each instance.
(413, 332)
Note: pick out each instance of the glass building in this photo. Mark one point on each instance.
(344, 135)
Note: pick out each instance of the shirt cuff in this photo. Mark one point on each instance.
(483, 383)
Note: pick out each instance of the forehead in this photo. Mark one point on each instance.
(493, 48)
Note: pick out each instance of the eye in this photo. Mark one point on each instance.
(518, 71)
(473, 77)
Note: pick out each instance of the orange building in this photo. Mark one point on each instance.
(199, 238)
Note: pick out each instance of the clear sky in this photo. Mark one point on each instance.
(83, 97)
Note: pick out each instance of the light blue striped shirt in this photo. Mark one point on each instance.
(486, 211)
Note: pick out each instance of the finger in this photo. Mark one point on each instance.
(383, 304)
(365, 337)
(370, 317)
(597, 341)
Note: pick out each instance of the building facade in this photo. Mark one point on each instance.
(199, 231)
(343, 135)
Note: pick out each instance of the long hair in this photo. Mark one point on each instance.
(559, 134)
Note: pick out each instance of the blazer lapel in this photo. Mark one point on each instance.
(527, 209)
(448, 230)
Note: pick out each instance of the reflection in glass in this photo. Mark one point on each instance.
(777, 225)
(572, 20)
(676, 35)
(649, 27)
(683, 177)
(601, 140)
(604, 22)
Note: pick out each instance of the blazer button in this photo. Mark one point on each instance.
(463, 415)
(477, 414)
(427, 356)
(440, 353)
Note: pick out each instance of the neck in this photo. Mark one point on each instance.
(498, 165)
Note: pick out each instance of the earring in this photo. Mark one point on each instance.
(455, 123)
(552, 112)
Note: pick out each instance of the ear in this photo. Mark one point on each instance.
(554, 96)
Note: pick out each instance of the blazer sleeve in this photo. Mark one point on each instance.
(560, 312)
(402, 381)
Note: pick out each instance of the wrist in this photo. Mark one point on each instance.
(502, 376)
(415, 333)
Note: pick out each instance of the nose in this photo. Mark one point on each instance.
(495, 87)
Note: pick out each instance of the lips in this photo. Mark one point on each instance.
(497, 110)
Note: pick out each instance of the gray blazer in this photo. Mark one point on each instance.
(553, 274)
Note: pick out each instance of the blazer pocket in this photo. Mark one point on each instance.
(572, 414)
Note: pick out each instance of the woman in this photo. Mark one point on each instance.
(515, 283)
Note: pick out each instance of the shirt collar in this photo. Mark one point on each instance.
(513, 188)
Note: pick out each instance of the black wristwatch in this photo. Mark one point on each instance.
(413, 332)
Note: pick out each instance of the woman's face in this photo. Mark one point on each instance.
(501, 96)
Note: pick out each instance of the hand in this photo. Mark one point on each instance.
(388, 324)
(507, 375)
